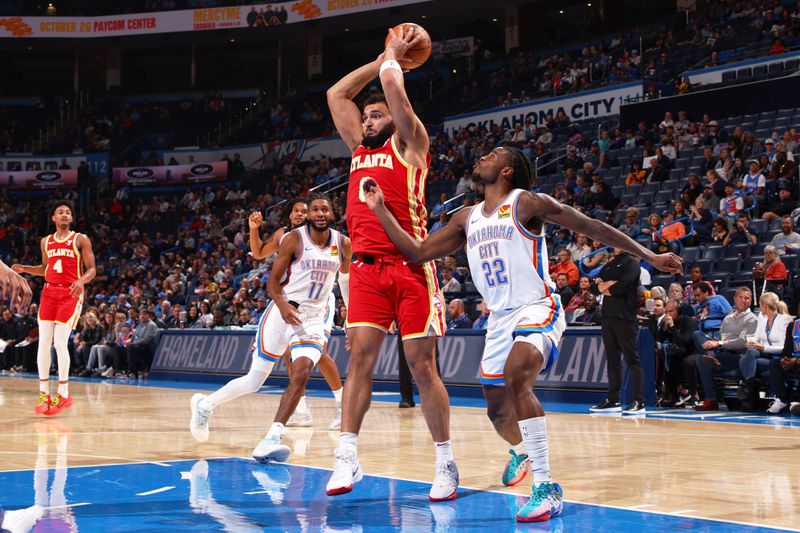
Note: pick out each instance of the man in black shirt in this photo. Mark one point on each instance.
(618, 282)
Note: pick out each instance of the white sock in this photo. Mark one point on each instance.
(260, 370)
(276, 430)
(44, 386)
(444, 452)
(519, 448)
(63, 389)
(348, 442)
(302, 406)
(60, 340)
(534, 436)
(338, 394)
(43, 358)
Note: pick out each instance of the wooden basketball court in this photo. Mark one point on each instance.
(733, 472)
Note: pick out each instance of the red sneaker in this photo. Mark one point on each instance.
(57, 404)
(43, 404)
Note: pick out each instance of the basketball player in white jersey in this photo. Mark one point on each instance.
(295, 214)
(308, 259)
(508, 260)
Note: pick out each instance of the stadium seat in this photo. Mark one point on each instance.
(706, 265)
(663, 280)
(691, 254)
(791, 261)
(729, 77)
(663, 197)
(738, 251)
(713, 252)
(728, 293)
(791, 64)
(758, 226)
(671, 185)
(728, 264)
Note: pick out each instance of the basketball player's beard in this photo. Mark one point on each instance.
(313, 225)
(377, 140)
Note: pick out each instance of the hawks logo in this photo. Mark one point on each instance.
(504, 211)
(334, 250)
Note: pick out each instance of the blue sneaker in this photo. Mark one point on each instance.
(545, 502)
(516, 469)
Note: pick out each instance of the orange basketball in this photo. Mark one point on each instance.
(416, 56)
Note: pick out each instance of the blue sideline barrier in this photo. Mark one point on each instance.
(581, 365)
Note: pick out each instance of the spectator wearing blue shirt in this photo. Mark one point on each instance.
(754, 182)
(439, 224)
(482, 322)
(458, 319)
(439, 207)
(711, 308)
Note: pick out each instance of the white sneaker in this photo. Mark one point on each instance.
(22, 520)
(198, 424)
(300, 420)
(109, 373)
(271, 450)
(346, 473)
(336, 422)
(445, 483)
(776, 407)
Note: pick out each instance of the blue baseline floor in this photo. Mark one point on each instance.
(241, 495)
(475, 399)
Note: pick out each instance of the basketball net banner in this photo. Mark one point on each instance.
(256, 16)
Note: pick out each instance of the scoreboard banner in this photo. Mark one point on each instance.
(39, 179)
(251, 16)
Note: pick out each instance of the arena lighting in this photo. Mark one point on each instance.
(561, 11)
(51, 9)
(494, 19)
(347, 29)
(232, 40)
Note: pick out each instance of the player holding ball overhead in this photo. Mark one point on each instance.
(67, 265)
(390, 148)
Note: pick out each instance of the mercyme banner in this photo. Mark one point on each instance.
(256, 16)
(45, 179)
(581, 362)
(581, 106)
(172, 174)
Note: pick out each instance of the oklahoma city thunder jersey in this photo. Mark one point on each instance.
(64, 265)
(311, 275)
(403, 188)
(508, 263)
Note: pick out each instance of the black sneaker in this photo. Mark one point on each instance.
(606, 407)
(636, 408)
(405, 404)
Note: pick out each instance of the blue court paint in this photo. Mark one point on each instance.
(275, 388)
(241, 495)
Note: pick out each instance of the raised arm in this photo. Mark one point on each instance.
(345, 113)
(34, 270)
(288, 250)
(444, 242)
(87, 254)
(546, 207)
(409, 127)
(258, 248)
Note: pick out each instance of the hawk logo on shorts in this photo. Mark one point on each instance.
(504, 211)
(334, 250)
(437, 302)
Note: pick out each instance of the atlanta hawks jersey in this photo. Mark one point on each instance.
(403, 188)
(64, 265)
(313, 273)
(508, 262)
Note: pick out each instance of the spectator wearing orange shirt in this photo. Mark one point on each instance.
(776, 270)
(565, 266)
(636, 175)
(670, 235)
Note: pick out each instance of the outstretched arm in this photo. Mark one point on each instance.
(546, 207)
(85, 246)
(288, 249)
(409, 127)
(15, 289)
(345, 113)
(34, 270)
(444, 242)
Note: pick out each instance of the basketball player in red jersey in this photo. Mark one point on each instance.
(67, 265)
(390, 147)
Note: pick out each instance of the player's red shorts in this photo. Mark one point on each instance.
(58, 306)
(388, 288)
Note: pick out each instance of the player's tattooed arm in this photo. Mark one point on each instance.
(444, 242)
(289, 249)
(546, 207)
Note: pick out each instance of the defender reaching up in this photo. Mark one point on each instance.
(507, 254)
